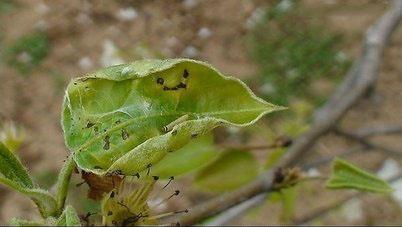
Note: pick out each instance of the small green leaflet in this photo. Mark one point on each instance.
(346, 175)
(115, 120)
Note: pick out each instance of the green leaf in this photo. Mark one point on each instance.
(346, 175)
(115, 119)
(43, 199)
(23, 222)
(15, 176)
(231, 170)
(69, 217)
(12, 169)
(191, 157)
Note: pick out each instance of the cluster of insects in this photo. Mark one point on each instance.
(181, 85)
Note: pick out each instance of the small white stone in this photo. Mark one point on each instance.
(389, 169)
(189, 4)
(267, 88)
(313, 172)
(172, 41)
(42, 8)
(341, 57)
(127, 14)
(204, 33)
(85, 63)
(190, 52)
(24, 57)
(83, 18)
(256, 16)
(41, 25)
(352, 210)
(109, 55)
(284, 5)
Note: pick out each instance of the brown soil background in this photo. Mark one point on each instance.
(78, 29)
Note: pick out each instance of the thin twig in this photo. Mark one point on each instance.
(358, 81)
(379, 130)
(366, 143)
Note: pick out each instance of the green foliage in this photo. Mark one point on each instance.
(191, 157)
(346, 175)
(231, 170)
(7, 5)
(287, 197)
(120, 118)
(293, 52)
(12, 169)
(15, 176)
(27, 52)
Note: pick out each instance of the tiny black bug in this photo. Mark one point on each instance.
(160, 81)
(185, 73)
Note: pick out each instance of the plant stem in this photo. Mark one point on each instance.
(62, 183)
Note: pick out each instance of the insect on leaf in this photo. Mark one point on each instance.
(119, 119)
(346, 175)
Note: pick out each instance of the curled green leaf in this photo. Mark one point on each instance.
(125, 117)
(347, 176)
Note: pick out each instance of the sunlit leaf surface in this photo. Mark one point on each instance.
(119, 119)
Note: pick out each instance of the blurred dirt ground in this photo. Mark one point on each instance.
(82, 32)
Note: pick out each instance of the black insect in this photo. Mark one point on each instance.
(182, 85)
(185, 73)
(90, 124)
(149, 168)
(170, 180)
(112, 194)
(160, 81)
(279, 176)
(109, 213)
(194, 135)
(106, 146)
(124, 134)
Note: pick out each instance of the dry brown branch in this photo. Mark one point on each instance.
(360, 78)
